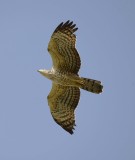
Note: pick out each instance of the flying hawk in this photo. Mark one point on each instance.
(66, 83)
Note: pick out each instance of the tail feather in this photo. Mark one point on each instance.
(91, 85)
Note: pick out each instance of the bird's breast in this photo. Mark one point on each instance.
(65, 79)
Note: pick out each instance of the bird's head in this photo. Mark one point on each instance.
(46, 73)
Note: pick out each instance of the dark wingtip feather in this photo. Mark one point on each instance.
(70, 23)
(73, 25)
(67, 24)
(75, 29)
(59, 26)
(70, 131)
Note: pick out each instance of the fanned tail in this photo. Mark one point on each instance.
(91, 85)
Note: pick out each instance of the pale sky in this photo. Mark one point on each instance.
(106, 42)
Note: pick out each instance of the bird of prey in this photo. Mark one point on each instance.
(66, 83)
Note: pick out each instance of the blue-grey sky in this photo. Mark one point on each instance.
(106, 42)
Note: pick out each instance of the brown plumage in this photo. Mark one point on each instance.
(63, 101)
(65, 92)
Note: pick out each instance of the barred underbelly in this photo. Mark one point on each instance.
(64, 79)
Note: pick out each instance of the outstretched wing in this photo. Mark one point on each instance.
(62, 101)
(62, 48)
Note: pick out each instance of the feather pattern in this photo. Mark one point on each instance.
(63, 104)
(62, 48)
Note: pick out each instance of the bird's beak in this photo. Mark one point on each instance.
(40, 71)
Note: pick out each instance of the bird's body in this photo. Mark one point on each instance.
(65, 92)
(65, 79)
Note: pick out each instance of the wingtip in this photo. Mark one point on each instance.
(68, 21)
(71, 132)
